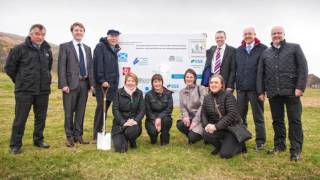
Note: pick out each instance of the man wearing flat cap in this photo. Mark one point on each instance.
(106, 74)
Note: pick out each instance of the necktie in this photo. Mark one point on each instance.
(248, 49)
(82, 64)
(217, 64)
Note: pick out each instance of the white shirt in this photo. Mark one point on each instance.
(251, 45)
(75, 44)
(223, 48)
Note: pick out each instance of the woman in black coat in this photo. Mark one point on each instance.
(218, 114)
(128, 111)
(159, 105)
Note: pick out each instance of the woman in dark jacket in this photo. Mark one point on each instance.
(218, 114)
(128, 111)
(159, 105)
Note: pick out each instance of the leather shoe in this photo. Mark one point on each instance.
(15, 150)
(259, 147)
(81, 141)
(94, 141)
(295, 157)
(215, 151)
(276, 150)
(133, 144)
(42, 145)
(70, 142)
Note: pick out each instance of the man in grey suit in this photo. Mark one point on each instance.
(75, 78)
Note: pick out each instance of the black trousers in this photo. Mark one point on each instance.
(166, 124)
(294, 111)
(243, 99)
(24, 102)
(192, 136)
(129, 134)
(98, 117)
(74, 105)
(225, 142)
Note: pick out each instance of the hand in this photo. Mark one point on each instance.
(105, 84)
(229, 90)
(66, 89)
(192, 125)
(210, 128)
(298, 93)
(262, 97)
(186, 121)
(92, 89)
(130, 122)
(157, 124)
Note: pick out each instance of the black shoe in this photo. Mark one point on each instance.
(15, 150)
(70, 142)
(133, 144)
(80, 140)
(259, 147)
(41, 145)
(215, 151)
(244, 149)
(295, 157)
(276, 150)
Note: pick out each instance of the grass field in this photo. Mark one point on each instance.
(175, 161)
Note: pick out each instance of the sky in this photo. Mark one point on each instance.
(300, 18)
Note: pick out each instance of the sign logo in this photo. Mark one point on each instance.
(123, 57)
(141, 61)
(196, 61)
(173, 86)
(175, 59)
(125, 70)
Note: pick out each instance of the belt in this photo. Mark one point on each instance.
(83, 78)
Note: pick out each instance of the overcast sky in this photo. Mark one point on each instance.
(301, 19)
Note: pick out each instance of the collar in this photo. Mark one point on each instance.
(251, 44)
(223, 47)
(282, 43)
(75, 43)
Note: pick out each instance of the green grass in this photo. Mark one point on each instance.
(175, 161)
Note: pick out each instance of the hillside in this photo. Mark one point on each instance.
(7, 41)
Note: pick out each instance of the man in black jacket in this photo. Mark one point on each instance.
(282, 74)
(106, 74)
(28, 65)
(247, 58)
(220, 60)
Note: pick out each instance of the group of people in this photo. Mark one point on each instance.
(208, 111)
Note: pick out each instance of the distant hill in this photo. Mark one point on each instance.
(313, 81)
(7, 41)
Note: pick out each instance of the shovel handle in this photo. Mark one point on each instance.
(104, 91)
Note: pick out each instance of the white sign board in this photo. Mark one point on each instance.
(167, 54)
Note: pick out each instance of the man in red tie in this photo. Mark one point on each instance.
(220, 60)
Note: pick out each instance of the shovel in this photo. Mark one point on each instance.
(104, 138)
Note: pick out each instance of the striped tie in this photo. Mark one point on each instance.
(217, 63)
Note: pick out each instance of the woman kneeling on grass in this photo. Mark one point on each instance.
(159, 105)
(191, 98)
(128, 111)
(220, 119)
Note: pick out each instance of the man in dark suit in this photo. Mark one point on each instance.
(106, 74)
(75, 78)
(29, 66)
(220, 60)
(247, 58)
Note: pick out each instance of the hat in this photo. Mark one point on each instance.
(113, 32)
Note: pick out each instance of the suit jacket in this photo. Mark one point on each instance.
(69, 66)
(227, 70)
